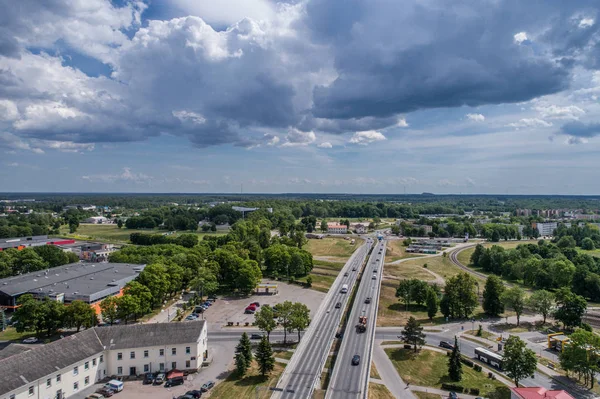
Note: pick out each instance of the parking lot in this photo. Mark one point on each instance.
(231, 309)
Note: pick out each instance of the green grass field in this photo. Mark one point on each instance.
(234, 387)
(112, 233)
(430, 369)
(378, 391)
(396, 250)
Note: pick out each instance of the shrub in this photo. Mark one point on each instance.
(452, 387)
(407, 346)
(466, 362)
(477, 367)
(474, 391)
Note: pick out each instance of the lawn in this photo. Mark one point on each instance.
(426, 395)
(379, 391)
(592, 252)
(11, 334)
(430, 369)
(283, 354)
(395, 250)
(408, 270)
(392, 313)
(320, 282)
(245, 387)
(331, 247)
(438, 264)
(484, 334)
(374, 373)
(112, 233)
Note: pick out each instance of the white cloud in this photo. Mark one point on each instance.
(12, 164)
(520, 37)
(193, 117)
(586, 22)
(447, 183)
(475, 117)
(529, 123)
(366, 137)
(297, 137)
(227, 11)
(470, 182)
(64, 146)
(125, 176)
(557, 112)
(13, 142)
(8, 110)
(325, 144)
(271, 139)
(402, 123)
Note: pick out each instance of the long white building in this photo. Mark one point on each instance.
(65, 367)
(545, 229)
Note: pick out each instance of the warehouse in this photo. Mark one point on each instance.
(20, 243)
(88, 282)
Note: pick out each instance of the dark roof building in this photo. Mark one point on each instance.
(151, 334)
(88, 282)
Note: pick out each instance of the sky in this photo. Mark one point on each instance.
(302, 96)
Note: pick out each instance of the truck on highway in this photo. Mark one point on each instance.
(362, 324)
(344, 289)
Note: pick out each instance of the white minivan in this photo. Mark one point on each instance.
(115, 385)
(344, 289)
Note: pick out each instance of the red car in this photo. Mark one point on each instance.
(255, 304)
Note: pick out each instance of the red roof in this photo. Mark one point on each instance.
(540, 393)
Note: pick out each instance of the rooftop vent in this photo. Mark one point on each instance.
(91, 278)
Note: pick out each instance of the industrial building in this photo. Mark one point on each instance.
(96, 252)
(20, 243)
(66, 367)
(88, 282)
(96, 220)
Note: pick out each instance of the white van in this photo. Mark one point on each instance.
(344, 289)
(115, 385)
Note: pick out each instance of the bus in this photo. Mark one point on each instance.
(489, 357)
(344, 289)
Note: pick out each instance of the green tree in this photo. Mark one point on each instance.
(241, 364)
(479, 250)
(324, 226)
(119, 223)
(108, 308)
(309, 281)
(495, 236)
(52, 316)
(432, 302)
(128, 307)
(514, 298)
(28, 315)
(569, 307)
(79, 314)
(460, 297)
(542, 302)
(52, 255)
(566, 242)
(582, 355)
(413, 333)
(264, 319)
(494, 288)
(519, 361)
(156, 279)
(454, 363)
(142, 294)
(245, 348)
(299, 318)
(264, 357)
(248, 276)
(284, 317)
(588, 244)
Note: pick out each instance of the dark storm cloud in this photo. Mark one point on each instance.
(580, 130)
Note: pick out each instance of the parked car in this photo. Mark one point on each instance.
(194, 393)
(107, 393)
(95, 396)
(212, 297)
(30, 340)
(250, 310)
(172, 382)
(257, 304)
(205, 387)
(160, 378)
(368, 300)
(338, 305)
(452, 395)
(207, 303)
(256, 336)
(186, 396)
(149, 378)
(355, 360)
(446, 345)
(114, 385)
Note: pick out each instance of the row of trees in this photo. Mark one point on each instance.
(185, 240)
(244, 356)
(582, 355)
(48, 316)
(291, 316)
(283, 260)
(14, 262)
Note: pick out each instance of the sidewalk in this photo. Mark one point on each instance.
(168, 314)
(389, 375)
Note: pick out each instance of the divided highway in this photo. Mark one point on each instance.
(304, 369)
(349, 380)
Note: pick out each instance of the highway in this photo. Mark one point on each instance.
(304, 369)
(352, 381)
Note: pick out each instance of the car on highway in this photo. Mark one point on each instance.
(346, 274)
(446, 345)
(374, 277)
(355, 360)
(256, 336)
(205, 387)
(375, 270)
(354, 269)
(339, 335)
(368, 300)
(338, 305)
